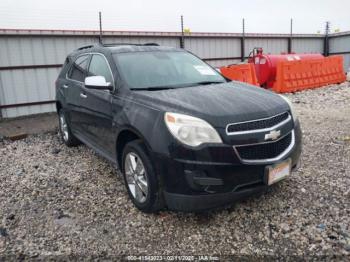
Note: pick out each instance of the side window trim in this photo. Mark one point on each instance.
(88, 67)
(73, 61)
(109, 67)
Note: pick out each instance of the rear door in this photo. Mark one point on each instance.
(98, 106)
(74, 85)
(62, 82)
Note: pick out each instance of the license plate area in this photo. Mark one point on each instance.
(278, 172)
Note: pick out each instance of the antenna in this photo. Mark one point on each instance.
(327, 28)
(182, 40)
(100, 21)
(243, 41)
(290, 39)
(326, 41)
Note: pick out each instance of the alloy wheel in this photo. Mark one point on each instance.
(136, 177)
(64, 127)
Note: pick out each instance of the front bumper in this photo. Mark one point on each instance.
(208, 187)
(195, 203)
(202, 182)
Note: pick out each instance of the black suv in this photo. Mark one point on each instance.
(183, 136)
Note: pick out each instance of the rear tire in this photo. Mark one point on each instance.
(65, 132)
(141, 182)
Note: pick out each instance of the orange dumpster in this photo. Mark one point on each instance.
(241, 72)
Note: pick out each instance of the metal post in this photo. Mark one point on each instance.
(326, 40)
(182, 39)
(100, 20)
(243, 41)
(1, 93)
(290, 39)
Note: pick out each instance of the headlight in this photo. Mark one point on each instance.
(290, 106)
(190, 130)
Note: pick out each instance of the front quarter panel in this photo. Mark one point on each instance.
(144, 120)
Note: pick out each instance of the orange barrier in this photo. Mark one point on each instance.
(294, 76)
(242, 72)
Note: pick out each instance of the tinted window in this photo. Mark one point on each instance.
(65, 67)
(164, 68)
(66, 62)
(99, 67)
(79, 68)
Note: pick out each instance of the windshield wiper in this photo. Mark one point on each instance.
(157, 88)
(152, 88)
(207, 83)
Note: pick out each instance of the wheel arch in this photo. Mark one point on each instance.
(58, 106)
(125, 136)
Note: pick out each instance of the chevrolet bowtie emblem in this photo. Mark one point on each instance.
(273, 135)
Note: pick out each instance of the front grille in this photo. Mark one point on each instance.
(266, 150)
(258, 124)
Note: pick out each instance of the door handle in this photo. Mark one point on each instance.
(65, 86)
(83, 95)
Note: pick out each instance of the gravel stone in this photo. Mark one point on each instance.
(3, 232)
(70, 201)
(321, 226)
(11, 217)
(55, 151)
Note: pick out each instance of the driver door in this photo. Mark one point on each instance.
(98, 106)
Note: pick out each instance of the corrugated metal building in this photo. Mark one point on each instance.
(31, 59)
(339, 43)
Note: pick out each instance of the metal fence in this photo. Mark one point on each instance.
(31, 59)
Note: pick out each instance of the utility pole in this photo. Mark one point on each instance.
(326, 40)
(182, 39)
(100, 21)
(290, 39)
(243, 41)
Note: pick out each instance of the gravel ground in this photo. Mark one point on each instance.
(56, 200)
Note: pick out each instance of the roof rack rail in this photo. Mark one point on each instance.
(134, 44)
(115, 44)
(151, 44)
(85, 47)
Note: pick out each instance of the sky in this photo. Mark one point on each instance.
(269, 16)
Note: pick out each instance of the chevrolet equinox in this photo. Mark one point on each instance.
(184, 137)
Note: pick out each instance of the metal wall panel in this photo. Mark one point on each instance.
(307, 45)
(166, 41)
(339, 44)
(34, 85)
(269, 45)
(225, 62)
(16, 51)
(347, 62)
(213, 47)
(27, 85)
(27, 110)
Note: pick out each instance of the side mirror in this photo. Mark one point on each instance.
(97, 82)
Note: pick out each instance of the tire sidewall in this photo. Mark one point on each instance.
(153, 185)
(71, 141)
(62, 113)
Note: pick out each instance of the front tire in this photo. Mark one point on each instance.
(65, 132)
(141, 182)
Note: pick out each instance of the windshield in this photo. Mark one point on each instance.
(164, 69)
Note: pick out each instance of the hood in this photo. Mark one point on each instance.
(218, 104)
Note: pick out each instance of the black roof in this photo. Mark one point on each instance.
(125, 48)
(141, 48)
